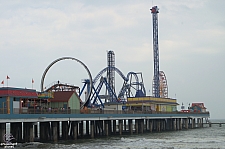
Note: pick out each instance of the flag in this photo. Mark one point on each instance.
(32, 80)
(2, 82)
(7, 77)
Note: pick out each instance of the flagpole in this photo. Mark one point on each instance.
(32, 81)
(2, 83)
(7, 78)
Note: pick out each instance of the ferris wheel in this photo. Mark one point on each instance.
(163, 87)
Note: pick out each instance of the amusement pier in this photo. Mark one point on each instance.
(61, 111)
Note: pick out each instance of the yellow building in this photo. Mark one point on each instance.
(152, 104)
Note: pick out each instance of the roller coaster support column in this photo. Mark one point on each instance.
(86, 82)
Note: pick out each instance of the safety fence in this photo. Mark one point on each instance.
(89, 111)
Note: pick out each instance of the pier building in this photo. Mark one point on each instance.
(14, 99)
(24, 110)
(152, 104)
(198, 107)
(65, 100)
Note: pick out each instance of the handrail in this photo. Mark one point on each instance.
(91, 111)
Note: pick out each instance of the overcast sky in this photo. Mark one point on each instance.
(191, 44)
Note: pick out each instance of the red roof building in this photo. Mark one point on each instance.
(65, 100)
(198, 107)
(11, 99)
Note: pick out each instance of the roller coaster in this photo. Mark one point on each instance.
(129, 88)
(133, 86)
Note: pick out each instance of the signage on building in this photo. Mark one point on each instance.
(45, 95)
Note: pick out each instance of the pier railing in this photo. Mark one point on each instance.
(90, 111)
(136, 112)
(3, 111)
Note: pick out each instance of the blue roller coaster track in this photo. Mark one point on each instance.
(124, 92)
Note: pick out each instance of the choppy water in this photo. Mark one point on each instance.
(209, 137)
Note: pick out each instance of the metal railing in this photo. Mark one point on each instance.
(45, 111)
(136, 112)
(3, 111)
(90, 111)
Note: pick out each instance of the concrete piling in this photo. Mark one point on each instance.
(2, 131)
(50, 131)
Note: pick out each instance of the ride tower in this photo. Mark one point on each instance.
(156, 83)
(111, 72)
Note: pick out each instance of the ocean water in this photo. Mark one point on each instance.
(207, 137)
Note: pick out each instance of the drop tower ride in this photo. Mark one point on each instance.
(156, 84)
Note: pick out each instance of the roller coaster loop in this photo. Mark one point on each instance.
(68, 58)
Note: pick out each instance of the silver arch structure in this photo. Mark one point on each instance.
(68, 58)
